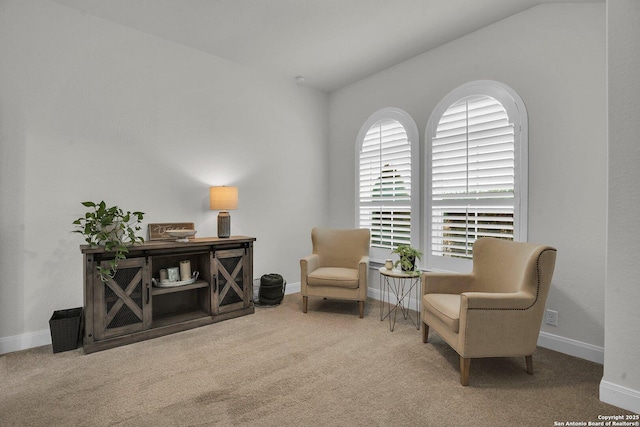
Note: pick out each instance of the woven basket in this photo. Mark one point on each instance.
(65, 329)
(272, 288)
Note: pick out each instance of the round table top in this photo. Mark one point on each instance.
(396, 272)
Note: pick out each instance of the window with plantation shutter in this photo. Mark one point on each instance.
(477, 173)
(386, 202)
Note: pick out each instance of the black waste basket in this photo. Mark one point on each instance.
(65, 329)
(272, 287)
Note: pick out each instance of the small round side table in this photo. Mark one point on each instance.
(401, 285)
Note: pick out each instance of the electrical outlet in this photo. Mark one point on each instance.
(551, 317)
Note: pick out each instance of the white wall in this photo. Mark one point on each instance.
(553, 56)
(91, 110)
(621, 382)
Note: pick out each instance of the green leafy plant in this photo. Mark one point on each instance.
(408, 256)
(112, 228)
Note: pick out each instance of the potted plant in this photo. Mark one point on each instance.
(408, 256)
(112, 228)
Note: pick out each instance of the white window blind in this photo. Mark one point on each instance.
(472, 176)
(385, 184)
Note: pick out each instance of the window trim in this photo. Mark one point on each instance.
(517, 112)
(401, 116)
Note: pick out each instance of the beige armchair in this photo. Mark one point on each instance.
(338, 267)
(496, 311)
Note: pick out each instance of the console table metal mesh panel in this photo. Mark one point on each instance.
(129, 308)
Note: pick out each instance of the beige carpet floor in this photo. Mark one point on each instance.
(280, 367)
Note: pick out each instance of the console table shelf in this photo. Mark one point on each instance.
(178, 317)
(197, 284)
(128, 308)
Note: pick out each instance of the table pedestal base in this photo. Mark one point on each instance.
(402, 286)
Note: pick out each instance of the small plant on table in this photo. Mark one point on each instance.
(112, 228)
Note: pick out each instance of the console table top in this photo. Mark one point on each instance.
(171, 244)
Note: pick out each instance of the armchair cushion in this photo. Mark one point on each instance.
(446, 307)
(338, 267)
(496, 310)
(498, 300)
(334, 276)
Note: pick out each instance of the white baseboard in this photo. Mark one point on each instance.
(546, 340)
(24, 341)
(553, 342)
(40, 338)
(619, 396)
(292, 288)
(610, 393)
(571, 347)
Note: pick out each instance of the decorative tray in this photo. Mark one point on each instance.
(181, 234)
(167, 284)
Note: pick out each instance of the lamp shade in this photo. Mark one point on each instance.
(223, 198)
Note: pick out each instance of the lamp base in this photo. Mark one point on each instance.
(224, 224)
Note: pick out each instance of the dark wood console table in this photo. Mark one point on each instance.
(129, 308)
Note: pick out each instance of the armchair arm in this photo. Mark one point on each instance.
(363, 269)
(446, 283)
(497, 324)
(364, 261)
(498, 300)
(308, 264)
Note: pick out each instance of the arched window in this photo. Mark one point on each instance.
(387, 156)
(476, 184)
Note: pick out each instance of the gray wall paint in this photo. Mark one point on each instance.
(554, 57)
(75, 86)
(91, 110)
(622, 316)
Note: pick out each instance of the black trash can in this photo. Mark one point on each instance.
(272, 287)
(65, 329)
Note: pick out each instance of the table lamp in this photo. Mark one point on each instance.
(223, 199)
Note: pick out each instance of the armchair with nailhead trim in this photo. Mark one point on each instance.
(497, 309)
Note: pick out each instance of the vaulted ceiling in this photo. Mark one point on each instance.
(331, 43)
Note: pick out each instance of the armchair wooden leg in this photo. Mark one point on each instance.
(425, 332)
(465, 364)
(305, 302)
(529, 360)
(361, 308)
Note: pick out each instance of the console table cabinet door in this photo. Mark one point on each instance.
(123, 303)
(233, 287)
(127, 309)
